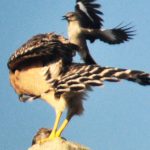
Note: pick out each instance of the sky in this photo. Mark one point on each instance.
(116, 116)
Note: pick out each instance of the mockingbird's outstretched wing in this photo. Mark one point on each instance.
(111, 36)
(90, 16)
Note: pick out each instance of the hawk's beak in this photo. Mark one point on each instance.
(64, 18)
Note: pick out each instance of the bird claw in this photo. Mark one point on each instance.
(50, 138)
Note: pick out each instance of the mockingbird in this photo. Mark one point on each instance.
(86, 24)
(43, 68)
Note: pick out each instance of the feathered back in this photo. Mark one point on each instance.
(44, 47)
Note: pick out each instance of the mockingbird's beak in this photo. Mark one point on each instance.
(64, 18)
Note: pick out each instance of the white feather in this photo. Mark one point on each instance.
(83, 8)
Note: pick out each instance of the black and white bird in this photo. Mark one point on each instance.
(43, 68)
(86, 24)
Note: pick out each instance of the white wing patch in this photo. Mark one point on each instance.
(83, 8)
(109, 34)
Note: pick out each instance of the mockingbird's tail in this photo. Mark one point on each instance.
(88, 59)
(85, 54)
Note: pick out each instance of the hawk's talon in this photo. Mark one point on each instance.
(47, 139)
(42, 141)
(58, 135)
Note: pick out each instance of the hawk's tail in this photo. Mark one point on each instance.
(80, 76)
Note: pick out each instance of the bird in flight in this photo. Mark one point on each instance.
(85, 23)
(43, 68)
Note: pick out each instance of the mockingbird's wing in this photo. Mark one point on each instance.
(89, 13)
(111, 36)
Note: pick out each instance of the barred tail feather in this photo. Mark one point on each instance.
(81, 76)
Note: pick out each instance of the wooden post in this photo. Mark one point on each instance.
(58, 144)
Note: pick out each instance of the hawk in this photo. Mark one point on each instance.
(43, 68)
(86, 24)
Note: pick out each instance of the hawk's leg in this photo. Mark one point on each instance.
(63, 126)
(53, 133)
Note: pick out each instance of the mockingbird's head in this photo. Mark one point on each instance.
(71, 16)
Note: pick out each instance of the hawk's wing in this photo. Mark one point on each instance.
(43, 47)
(111, 36)
(81, 76)
(89, 13)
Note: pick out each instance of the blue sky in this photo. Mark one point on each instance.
(117, 116)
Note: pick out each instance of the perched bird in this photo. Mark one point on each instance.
(43, 68)
(86, 24)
